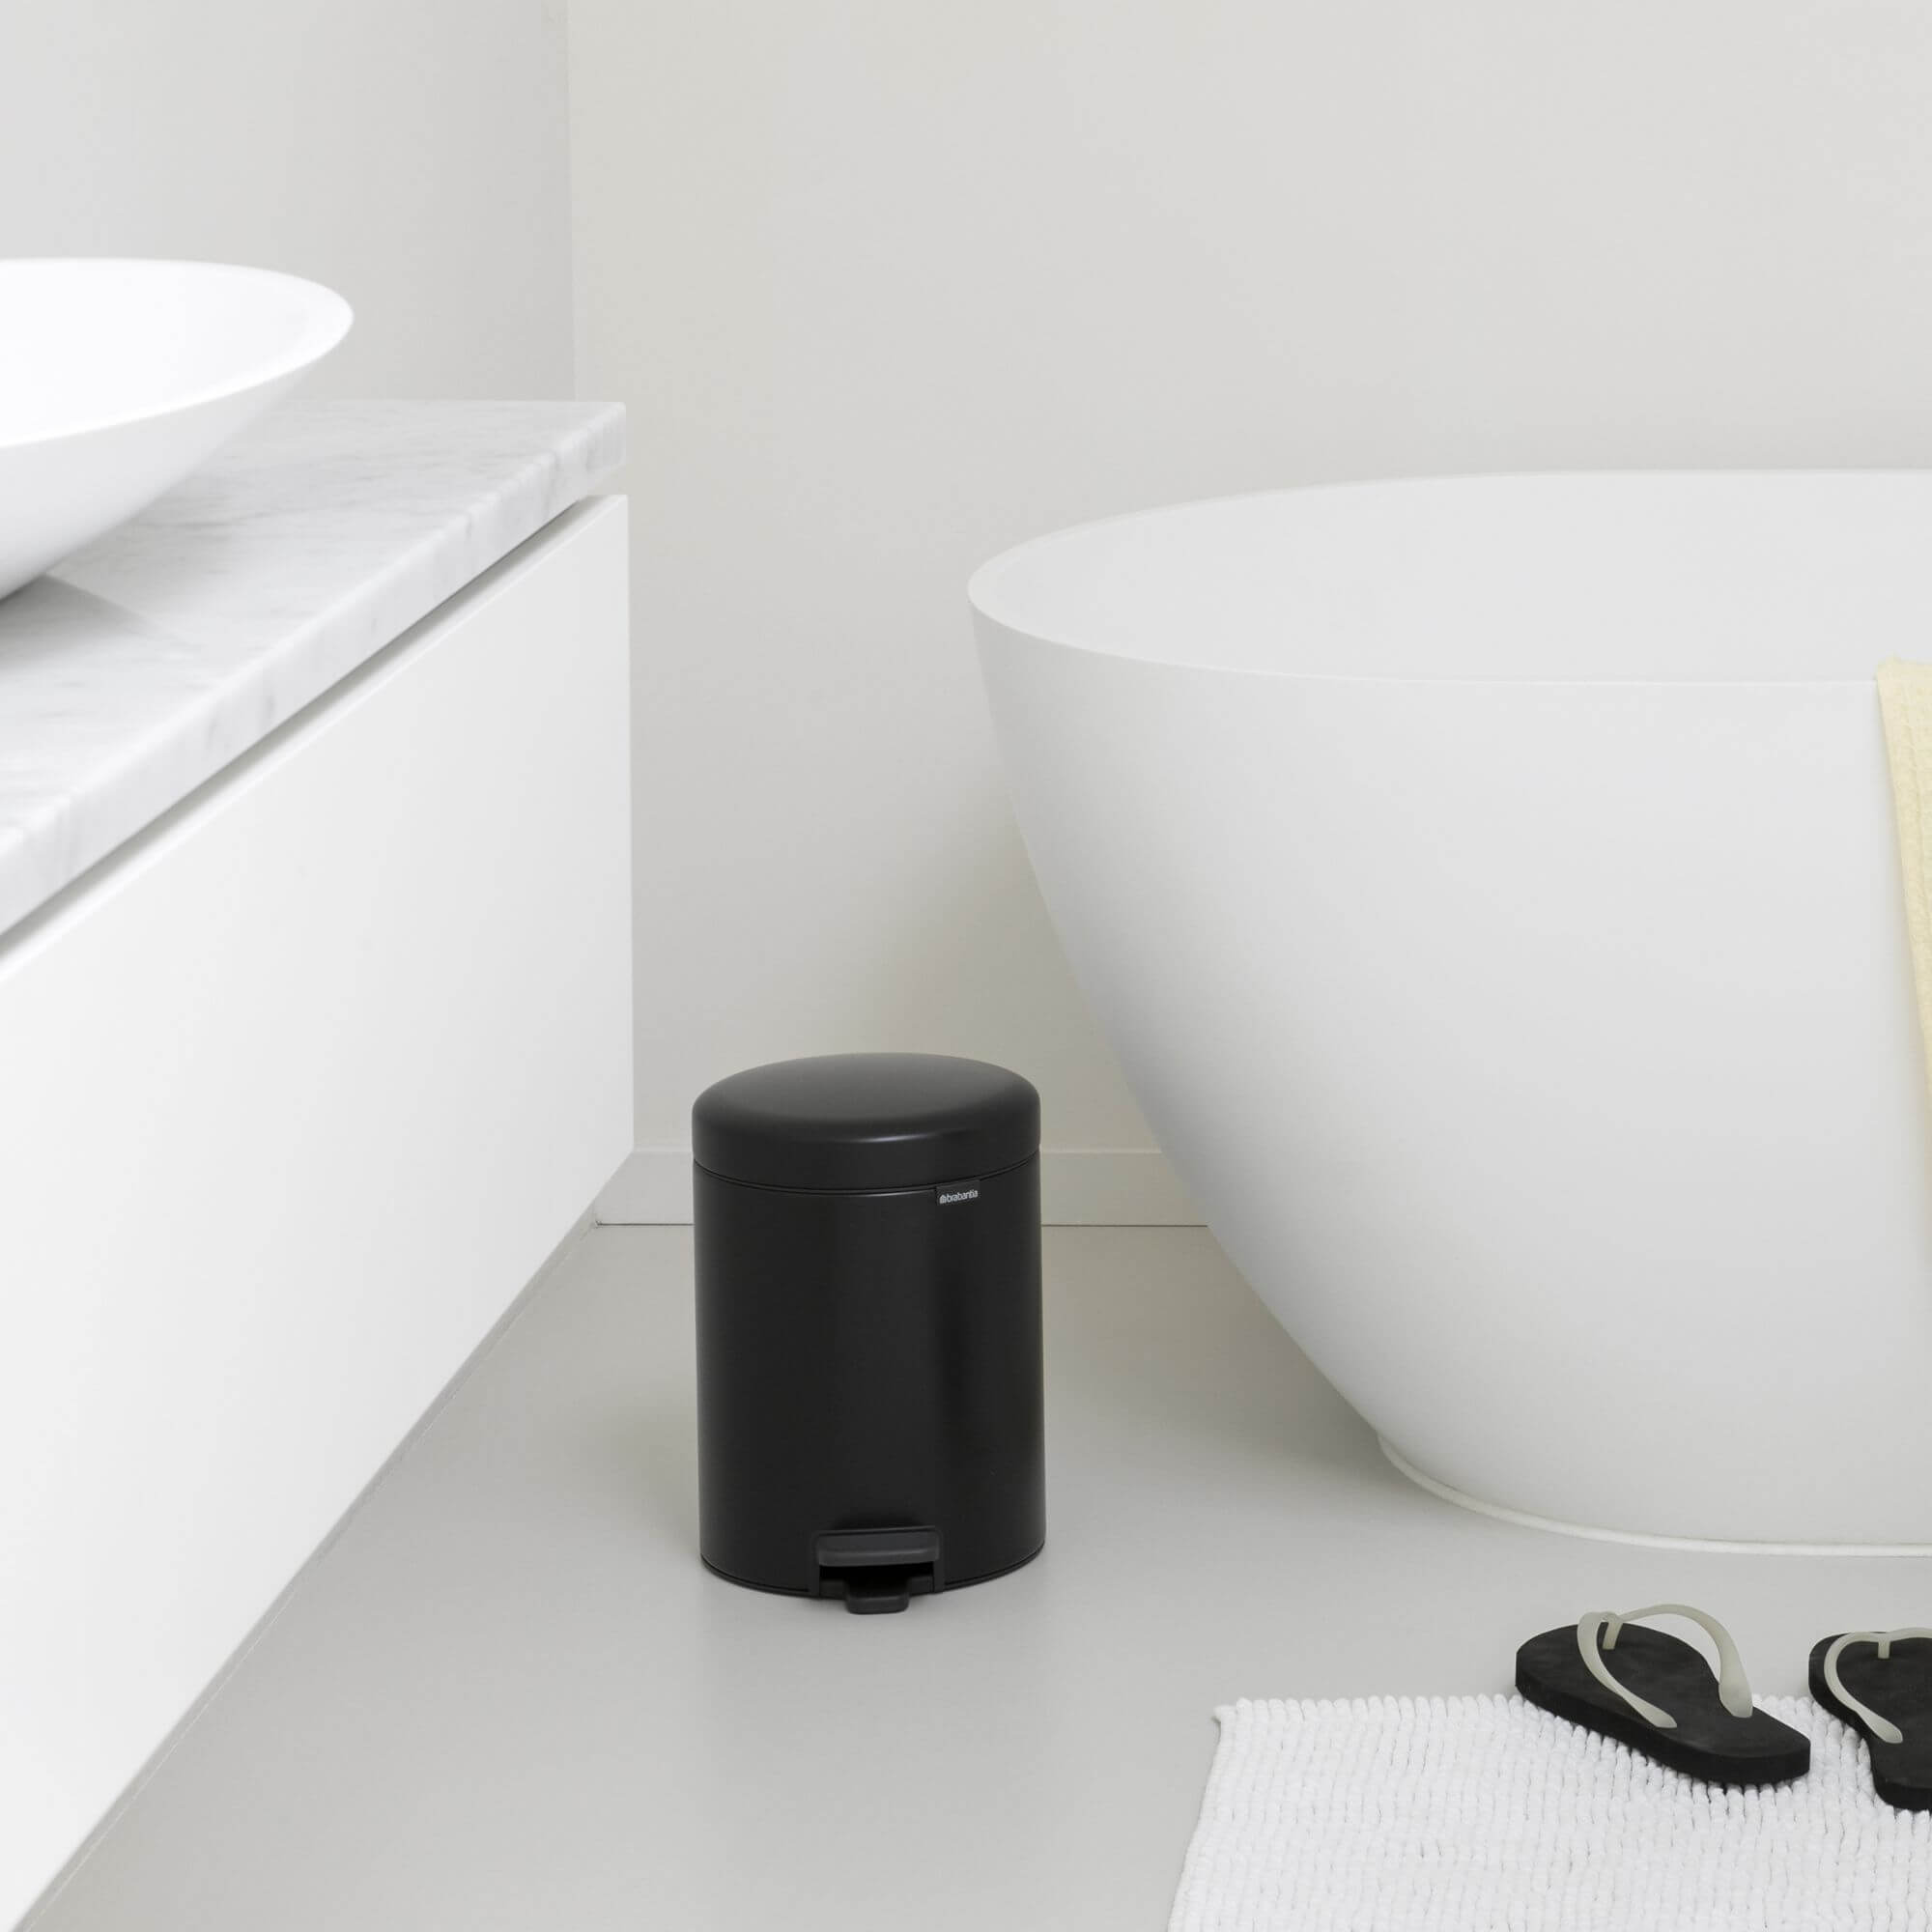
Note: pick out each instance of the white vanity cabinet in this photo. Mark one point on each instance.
(300, 1086)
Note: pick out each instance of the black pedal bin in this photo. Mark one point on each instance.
(869, 1326)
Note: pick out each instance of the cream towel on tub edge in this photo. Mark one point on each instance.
(1905, 698)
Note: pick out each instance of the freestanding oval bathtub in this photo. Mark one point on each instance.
(1492, 887)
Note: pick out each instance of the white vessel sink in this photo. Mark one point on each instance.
(116, 378)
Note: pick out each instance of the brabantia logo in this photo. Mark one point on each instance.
(946, 1199)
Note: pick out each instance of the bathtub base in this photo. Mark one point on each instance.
(1721, 1545)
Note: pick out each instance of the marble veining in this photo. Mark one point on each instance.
(146, 663)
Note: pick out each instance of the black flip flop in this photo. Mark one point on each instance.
(1662, 1700)
(1880, 1683)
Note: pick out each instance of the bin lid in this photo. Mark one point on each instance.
(865, 1121)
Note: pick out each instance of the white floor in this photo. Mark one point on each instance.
(508, 1697)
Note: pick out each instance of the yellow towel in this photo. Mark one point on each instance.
(1905, 698)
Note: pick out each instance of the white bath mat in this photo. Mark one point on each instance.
(1484, 1814)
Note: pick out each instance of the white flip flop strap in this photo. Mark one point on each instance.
(1733, 1687)
(1882, 1728)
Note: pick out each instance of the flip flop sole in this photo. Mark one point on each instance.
(1707, 1742)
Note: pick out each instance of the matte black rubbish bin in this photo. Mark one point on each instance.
(869, 1350)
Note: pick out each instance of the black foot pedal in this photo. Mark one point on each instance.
(878, 1571)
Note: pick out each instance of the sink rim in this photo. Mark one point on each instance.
(325, 319)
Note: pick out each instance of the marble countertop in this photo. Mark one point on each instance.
(146, 663)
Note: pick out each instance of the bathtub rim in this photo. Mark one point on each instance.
(982, 603)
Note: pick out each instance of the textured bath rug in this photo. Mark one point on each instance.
(1484, 1814)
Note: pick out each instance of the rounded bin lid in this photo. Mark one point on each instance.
(857, 1121)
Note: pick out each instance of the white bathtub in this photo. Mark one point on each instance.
(1491, 887)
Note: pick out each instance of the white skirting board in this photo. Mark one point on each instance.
(297, 1090)
(1079, 1187)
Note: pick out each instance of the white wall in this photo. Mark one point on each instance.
(412, 154)
(889, 286)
